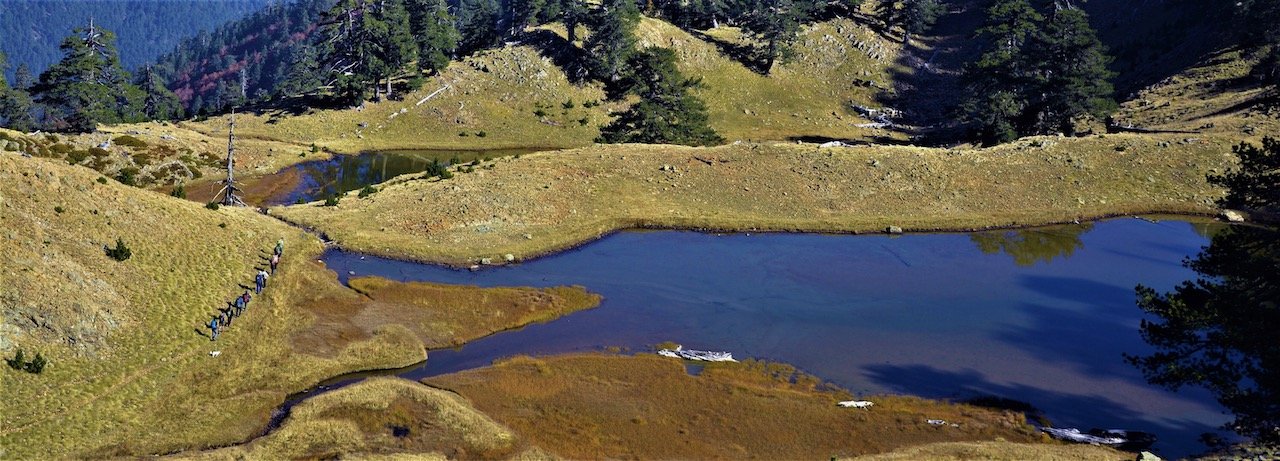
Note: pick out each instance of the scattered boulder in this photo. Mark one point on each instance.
(893, 230)
(509, 257)
(1148, 456)
(1232, 216)
(486, 261)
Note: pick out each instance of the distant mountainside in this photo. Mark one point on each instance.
(253, 51)
(32, 29)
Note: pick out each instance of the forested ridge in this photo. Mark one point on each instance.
(31, 30)
(1039, 66)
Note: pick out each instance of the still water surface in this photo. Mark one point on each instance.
(1042, 316)
(318, 179)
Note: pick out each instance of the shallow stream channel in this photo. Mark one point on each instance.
(1043, 316)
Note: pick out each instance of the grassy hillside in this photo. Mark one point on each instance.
(521, 96)
(362, 420)
(130, 368)
(1217, 96)
(545, 202)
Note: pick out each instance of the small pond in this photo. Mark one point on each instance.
(317, 179)
(1043, 316)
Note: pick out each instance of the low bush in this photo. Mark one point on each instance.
(19, 362)
(128, 176)
(212, 206)
(332, 200)
(129, 141)
(367, 191)
(120, 252)
(178, 191)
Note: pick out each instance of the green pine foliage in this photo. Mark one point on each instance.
(1256, 184)
(120, 252)
(159, 103)
(436, 36)
(88, 86)
(15, 103)
(667, 112)
(613, 38)
(1074, 77)
(775, 23)
(18, 362)
(477, 25)
(1036, 74)
(913, 16)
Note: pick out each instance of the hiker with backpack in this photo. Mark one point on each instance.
(213, 327)
(275, 261)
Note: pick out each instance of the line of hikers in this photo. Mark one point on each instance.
(237, 307)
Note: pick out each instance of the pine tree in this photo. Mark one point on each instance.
(22, 78)
(15, 104)
(612, 38)
(159, 103)
(572, 14)
(1073, 73)
(775, 23)
(88, 86)
(667, 112)
(477, 25)
(396, 44)
(1000, 83)
(1256, 184)
(913, 16)
(435, 33)
(520, 13)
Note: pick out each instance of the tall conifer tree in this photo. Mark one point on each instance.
(613, 39)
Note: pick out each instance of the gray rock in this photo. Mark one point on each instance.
(486, 261)
(1148, 456)
(894, 230)
(1232, 216)
(509, 257)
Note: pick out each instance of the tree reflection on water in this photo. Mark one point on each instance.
(1222, 330)
(1030, 246)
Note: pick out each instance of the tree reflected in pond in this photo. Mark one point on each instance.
(1222, 331)
(1030, 246)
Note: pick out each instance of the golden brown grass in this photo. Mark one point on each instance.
(130, 369)
(648, 407)
(497, 92)
(1218, 96)
(999, 451)
(545, 202)
(358, 421)
(438, 315)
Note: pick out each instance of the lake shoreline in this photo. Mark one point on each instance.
(472, 264)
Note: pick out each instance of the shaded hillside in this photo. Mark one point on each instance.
(243, 59)
(1150, 40)
(1154, 39)
(32, 29)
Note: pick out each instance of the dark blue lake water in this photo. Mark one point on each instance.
(1042, 316)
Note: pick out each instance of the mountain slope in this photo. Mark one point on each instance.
(32, 29)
